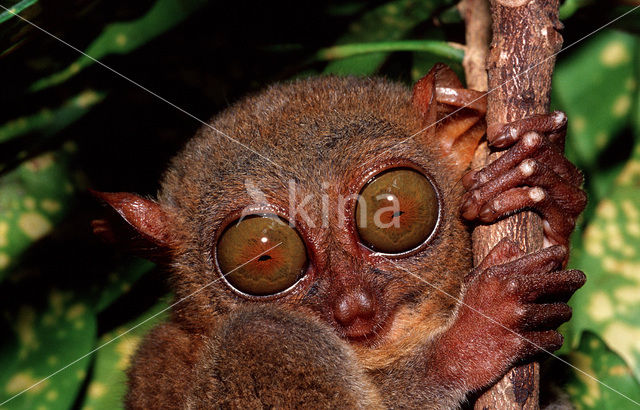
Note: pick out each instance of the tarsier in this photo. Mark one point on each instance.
(342, 275)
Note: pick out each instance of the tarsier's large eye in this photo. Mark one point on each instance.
(282, 259)
(397, 211)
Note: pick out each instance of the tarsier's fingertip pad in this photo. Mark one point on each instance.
(578, 278)
(531, 139)
(527, 167)
(537, 194)
(560, 118)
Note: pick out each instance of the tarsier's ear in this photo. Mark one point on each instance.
(142, 226)
(453, 117)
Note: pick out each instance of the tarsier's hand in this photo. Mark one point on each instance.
(510, 311)
(533, 173)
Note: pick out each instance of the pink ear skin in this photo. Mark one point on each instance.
(423, 100)
(146, 231)
(452, 115)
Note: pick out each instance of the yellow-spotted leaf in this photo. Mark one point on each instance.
(119, 282)
(33, 199)
(108, 385)
(600, 378)
(597, 112)
(48, 121)
(609, 302)
(43, 341)
(124, 37)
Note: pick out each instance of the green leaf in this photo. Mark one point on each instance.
(451, 16)
(119, 282)
(346, 8)
(108, 385)
(16, 9)
(569, 7)
(33, 199)
(423, 62)
(46, 340)
(635, 116)
(609, 302)
(124, 37)
(597, 113)
(13, 30)
(50, 121)
(389, 22)
(437, 48)
(600, 363)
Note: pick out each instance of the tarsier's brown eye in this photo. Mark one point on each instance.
(281, 261)
(397, 211)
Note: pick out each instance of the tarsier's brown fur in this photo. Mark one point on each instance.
(221, 349)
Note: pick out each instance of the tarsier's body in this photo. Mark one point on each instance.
(359, 327)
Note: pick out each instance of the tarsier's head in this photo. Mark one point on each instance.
(332, 196)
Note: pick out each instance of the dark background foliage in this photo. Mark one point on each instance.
(68, 124)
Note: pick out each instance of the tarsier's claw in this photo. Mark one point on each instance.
(532, 174)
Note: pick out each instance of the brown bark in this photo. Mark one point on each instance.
(520, 66)
(477, 19)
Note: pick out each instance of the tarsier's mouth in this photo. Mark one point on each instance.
(361, 331)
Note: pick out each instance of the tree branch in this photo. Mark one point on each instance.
(520, 66)
(477, 32)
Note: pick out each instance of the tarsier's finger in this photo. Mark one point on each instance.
(509, 202)
(551, 286)
(532, 147)
(536, 342)
(557, 224)
(569, 197)
(561, 166)
(475, 201)
(542, 261)
(525, 148)
(505, 135)
(505, 250)
(546, 316)
(557, 139)
(531, 173)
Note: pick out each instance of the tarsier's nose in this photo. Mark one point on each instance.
(353, 305)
